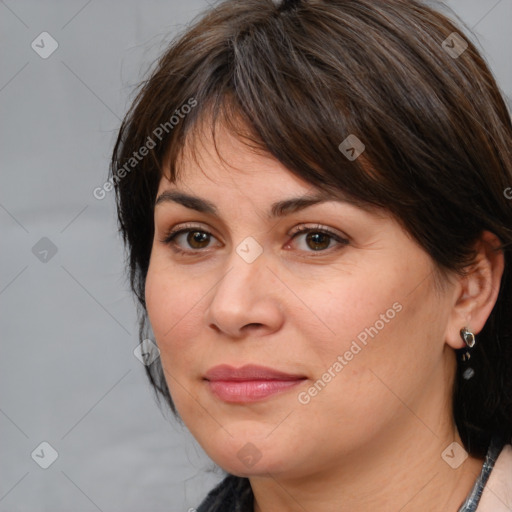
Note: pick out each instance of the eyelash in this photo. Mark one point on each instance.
(170, 236)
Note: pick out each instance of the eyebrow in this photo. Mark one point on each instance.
(277, 209)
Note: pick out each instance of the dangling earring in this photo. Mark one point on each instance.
(469, 340)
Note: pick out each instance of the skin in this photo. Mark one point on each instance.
(372, 438)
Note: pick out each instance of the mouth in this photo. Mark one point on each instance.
(249, 390)
(250, 383)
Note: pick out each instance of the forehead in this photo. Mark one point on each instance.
(223, 154)
(226, 162)
(228, 165)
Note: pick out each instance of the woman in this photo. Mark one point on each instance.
(314, 200)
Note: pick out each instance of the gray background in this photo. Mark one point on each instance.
(68, 324)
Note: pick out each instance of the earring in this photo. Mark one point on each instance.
(469, 340)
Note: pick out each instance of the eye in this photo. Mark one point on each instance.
(196, 238)
(318, 238)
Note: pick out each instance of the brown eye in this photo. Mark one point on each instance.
(318, 241)
(193, 238)
(198, 239)
(193, 241)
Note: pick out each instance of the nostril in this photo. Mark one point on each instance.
(251, 326)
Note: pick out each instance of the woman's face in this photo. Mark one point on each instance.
(359, 320)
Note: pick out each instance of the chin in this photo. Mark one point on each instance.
(262, 467)
(248, 456)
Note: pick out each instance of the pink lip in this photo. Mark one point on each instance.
(248, 383)
(248, 372)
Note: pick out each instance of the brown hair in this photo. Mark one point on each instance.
(302, 77)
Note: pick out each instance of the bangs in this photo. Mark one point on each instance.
(268, 136)
(283, 95)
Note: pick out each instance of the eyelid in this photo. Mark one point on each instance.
(340, 238)
(184, 227)
(318, 227)
(293, 231)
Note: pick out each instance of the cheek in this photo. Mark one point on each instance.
(376, 325)
(355, 306)
(173, 309)
(175, 317)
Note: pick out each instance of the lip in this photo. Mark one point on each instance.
(250, 383)
(248, 372)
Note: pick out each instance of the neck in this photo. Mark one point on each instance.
(406, 478)
(401, 469)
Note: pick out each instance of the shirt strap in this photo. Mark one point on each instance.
(471, 503)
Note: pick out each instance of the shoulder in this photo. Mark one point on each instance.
(497, 493)
(233, 494)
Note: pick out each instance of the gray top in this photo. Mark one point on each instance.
(471, 503)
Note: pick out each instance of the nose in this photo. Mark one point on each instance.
(245, 300)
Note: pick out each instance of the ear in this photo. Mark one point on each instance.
(475, 294)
